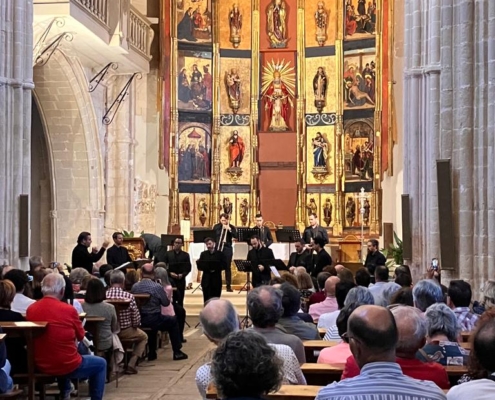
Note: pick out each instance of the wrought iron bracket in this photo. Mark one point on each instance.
(60, 22)
(96, 80)
(114, 107)
(48, 51)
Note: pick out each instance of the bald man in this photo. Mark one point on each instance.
(151, 313)
(373, 337)
(218, 319)
(329, 304)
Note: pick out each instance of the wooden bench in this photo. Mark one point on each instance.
(322, 332)
(465, 336)
(13, 394)
(286, 392)
(310, 346)
(322, 374)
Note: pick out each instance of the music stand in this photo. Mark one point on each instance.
(245, 266)
(285, 235)
(168, 240)
(245, 234)
(279, 264)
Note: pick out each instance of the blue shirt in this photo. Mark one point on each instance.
(158, 298)
(381, 381)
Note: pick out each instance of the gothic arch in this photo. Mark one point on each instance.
(74, 152)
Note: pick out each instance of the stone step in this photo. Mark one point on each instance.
(193, 302)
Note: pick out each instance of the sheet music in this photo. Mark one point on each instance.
(275, 271)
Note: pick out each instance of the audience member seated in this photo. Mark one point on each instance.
(373, 336)
(38, 275)
(459, 299)
(411, 327)
(218, 319)
(345, 274)
(357, 295)
(265, 309)
(20, 280)
(6, 383)
(330, 302)
(402, 276)
(362, 277)
(487, 299)
(290, 279)
(389, 290)
(319, 296)
(5, 269)
(95, 306)
(76, 276)
(55, 351)
(443, 330)
(151, 313)
(381, 279)
(427, 292)
(35, 263)
(102, 271)
(16, 346)
(245, 367)
(402, 297)
(328, 320)
(483, 355)
(173, 309)
(339, 353)
(129, 319)
(84, 286)
(131, 277)
(290, 322)
(305, 282)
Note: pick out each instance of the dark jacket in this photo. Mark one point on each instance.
(116, 256)
(82, 258)
(260, 257)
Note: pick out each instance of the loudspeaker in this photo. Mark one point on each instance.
(406, 228)
(445, 217)
(24, 225)
(388, 235)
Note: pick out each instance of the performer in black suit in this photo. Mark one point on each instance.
(258, 256)
(118, 254)
(211, 280)
(322, 258)
(374, 258)
(224, 233)
(314, 230)
(179, 266)
(80, 256)
(264, 232)
(301, 257)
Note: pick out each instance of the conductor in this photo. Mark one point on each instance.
(314, 230)
(224, 233)
(211, 280)
(258, 256)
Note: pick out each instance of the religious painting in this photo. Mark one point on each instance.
(194, 150)
(186, 204)
(243, 210)
(327, 210)
(320, 22)
(320, 154)
(194, 21)
(278, 24)
(359, 19)
(235, 155)
(312, 205)
(359, 80)
(357, 208)
(321, 89)
(195, 81)
(202, 210)
(235, 24)
(359, 150)
(235, 86)
(278, 86)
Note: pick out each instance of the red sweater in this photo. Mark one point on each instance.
(55, 351)
(414, 368)
(317, 297)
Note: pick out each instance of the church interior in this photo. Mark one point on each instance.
(364, 120)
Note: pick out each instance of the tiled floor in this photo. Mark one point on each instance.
(164, 378)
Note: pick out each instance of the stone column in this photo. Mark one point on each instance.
(16, 83)
(450, 60)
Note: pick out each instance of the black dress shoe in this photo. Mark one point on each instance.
(152, 357)
(184, 340)
(180, 356)
(229, 289)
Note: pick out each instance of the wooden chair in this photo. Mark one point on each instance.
(286, 392)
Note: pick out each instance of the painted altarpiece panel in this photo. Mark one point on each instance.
(194, 81)
(320, 155)
(360, 79)
(235, 69)
(194, 151)
(359, 19)
(225, 31)
(311, 8)
(194, 21)
(329, 65)
(235, 156)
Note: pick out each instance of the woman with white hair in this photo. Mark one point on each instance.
(442, 332)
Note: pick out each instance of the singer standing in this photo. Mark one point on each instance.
(224, 233)
(314, 230)
(264, 232)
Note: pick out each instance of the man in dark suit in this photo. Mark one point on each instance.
(118, 254)
(226, 245)
(314, 230)
(259, 256)
(81, 258)
(179, 266)
(211, 279)
(374, 258)
(300, 258)
(264, 232)
(152, 243)
(322, 258)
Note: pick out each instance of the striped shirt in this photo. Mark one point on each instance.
(381, 381)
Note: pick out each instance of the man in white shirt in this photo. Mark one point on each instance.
(218, 319)
(483, 349)
(21, 302)
(381, 278)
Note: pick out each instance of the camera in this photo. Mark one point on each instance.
(434, 264)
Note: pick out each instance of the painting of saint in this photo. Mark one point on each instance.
(359, 150)
(203, 211)
(227, 206)
(366, 215)
(350, 211)
(194, 153)
(360, 21)
(233, 85)
(277, 24)
(327, 212)
(359, 81)
(321, 19)
(194, 81)
(312, 207)
(235, 23)
(320, 151)
(243, 211)
(320, 88)
(186, 208)
(236, 150)
(195, 22)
